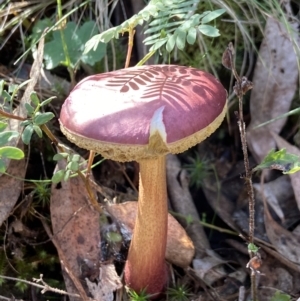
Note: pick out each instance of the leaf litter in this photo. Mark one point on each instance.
(275, 84)
(75, 224)
(11, 185)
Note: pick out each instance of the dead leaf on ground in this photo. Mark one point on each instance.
(109, 282)
(295, 178)
(11, 186)
(210, 268)
(284, 241)
(180, 249)
(220, 203)
(275, 83)
(275, 274)
(280, 196)
(76, 227)
(183, 203)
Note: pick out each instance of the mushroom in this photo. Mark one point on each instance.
(142, 114)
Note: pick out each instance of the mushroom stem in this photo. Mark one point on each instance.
(145, 267)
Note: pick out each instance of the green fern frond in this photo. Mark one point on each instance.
(138, 19)
(176, 27)
(172, 23)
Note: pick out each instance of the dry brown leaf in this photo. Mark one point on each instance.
(279, 257)
(180, 249)
(275, 83)
(11, 186)
(276, 192)
(209, 269)
(295, 178)
(183, 203)
(284, 241)
(76, 227)
(109, 282)
(274, 277)
(224, 207)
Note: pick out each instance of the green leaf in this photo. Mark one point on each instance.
(180, 40)
(38, 130)
(158, 44)
(60, 156)
(73, 166)
(67, 175)
(191, 36)
(6, 96)
(12, 88)
(42, 118)
(34, 98)
(152, 39)
(195, 19)
(27, 133)
(30, 109)
(75, 158)
(2, 166)
(278, 296)
(25, 122)
(39, 28)
(47, 101)
(209, 31)
(85, 32)
(161, 25)
(11, 152)
(171, 43)
(75, 39)
(58, 176)
(213, 15)
(3, 125)
(7, 136)
(252, 248)
(280, 160)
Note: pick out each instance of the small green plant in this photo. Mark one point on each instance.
(179, 293)
(7, 152)
(41, 193)
(36, 117)
(71, 168)
(199, 169)
(21, 286)
(142, 296)
(280, 160)
(29, 268)
(253, 248)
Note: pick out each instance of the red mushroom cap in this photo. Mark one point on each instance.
(117, 113)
